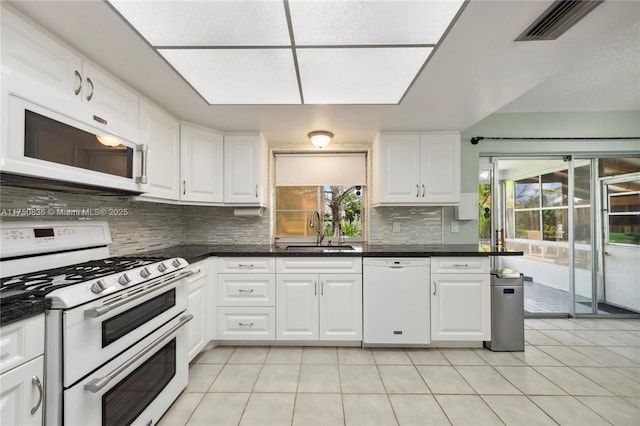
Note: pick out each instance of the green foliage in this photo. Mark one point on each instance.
(351, 229)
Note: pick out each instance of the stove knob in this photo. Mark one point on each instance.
(176, 263)
(125, 278)
(162, 267)
(99, 286)
(145, 272)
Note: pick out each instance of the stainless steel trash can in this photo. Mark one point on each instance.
(507, 311)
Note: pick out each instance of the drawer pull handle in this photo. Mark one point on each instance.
(242, 324)
(435, 287)
(315, 288)
(417, 190)
(461, 265)
(35, 381)
(242, 265)
(423, 190)
(242, 290)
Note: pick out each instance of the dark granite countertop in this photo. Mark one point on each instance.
(195, 252)
(22, 308)
(26, 307)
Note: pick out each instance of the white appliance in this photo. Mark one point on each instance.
(46, 149)
(396, 301)
(115, 346)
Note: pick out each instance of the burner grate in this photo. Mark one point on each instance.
(41, 283)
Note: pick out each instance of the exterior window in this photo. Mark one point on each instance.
(624, 216)
(339, 207)
(539, 205)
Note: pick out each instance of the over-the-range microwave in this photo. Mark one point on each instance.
(48, 149)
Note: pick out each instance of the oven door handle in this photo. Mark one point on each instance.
(96, 385)
(99, 311)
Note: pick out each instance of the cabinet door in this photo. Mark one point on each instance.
(399, 168)
(243, 169)
(161, 133)
(201, 157)
(460, 307)
(34, 56)
(109, 99)
(21, 391)
(340, 306)
(440, 168)
(297, 307)
(196, 327)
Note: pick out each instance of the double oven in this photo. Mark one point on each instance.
(116, 343)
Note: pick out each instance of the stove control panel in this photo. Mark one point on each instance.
(28, 238)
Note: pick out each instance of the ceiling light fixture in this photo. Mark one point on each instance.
(108, 140)
(320, 138)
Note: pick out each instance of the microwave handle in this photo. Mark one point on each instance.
(143, 149)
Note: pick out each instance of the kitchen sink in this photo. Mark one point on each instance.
(321, 249)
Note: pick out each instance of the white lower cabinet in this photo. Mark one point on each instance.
(246, 323)
(317, 305)
(460, 301)
(21, 394)
(196, 330)
(246, 298)
(22, 372)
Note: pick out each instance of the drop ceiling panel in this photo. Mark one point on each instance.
(238, 76)
(366, 22)
(358, 76)
(207, 23)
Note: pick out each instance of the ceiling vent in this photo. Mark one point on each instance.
(558, 18)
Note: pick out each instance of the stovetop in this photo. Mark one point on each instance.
(70, 286)
(41, 283)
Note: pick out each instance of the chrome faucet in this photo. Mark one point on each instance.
(319, 231)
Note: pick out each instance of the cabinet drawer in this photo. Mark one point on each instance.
(244, 323)
(246, 265)
(460, 265)
(246, 289)
(319, 265)
(21, 341)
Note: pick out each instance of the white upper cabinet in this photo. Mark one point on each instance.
(161, 132)
(414, 169)
(398, 171)
(440, 168)
(108, 97)
(42, 69)
(202, 172)
(245, 169)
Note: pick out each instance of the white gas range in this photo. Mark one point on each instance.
(116, 350)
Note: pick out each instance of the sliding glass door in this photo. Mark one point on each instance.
(577, 221)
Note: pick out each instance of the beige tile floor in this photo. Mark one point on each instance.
(572, 372)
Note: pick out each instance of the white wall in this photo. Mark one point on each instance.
(578, 124)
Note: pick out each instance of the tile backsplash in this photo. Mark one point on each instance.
(415, 225)
(135, 226)
(138, 226)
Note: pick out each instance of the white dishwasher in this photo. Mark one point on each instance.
(396, 301)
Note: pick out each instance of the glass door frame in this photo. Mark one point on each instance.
(498, 217)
